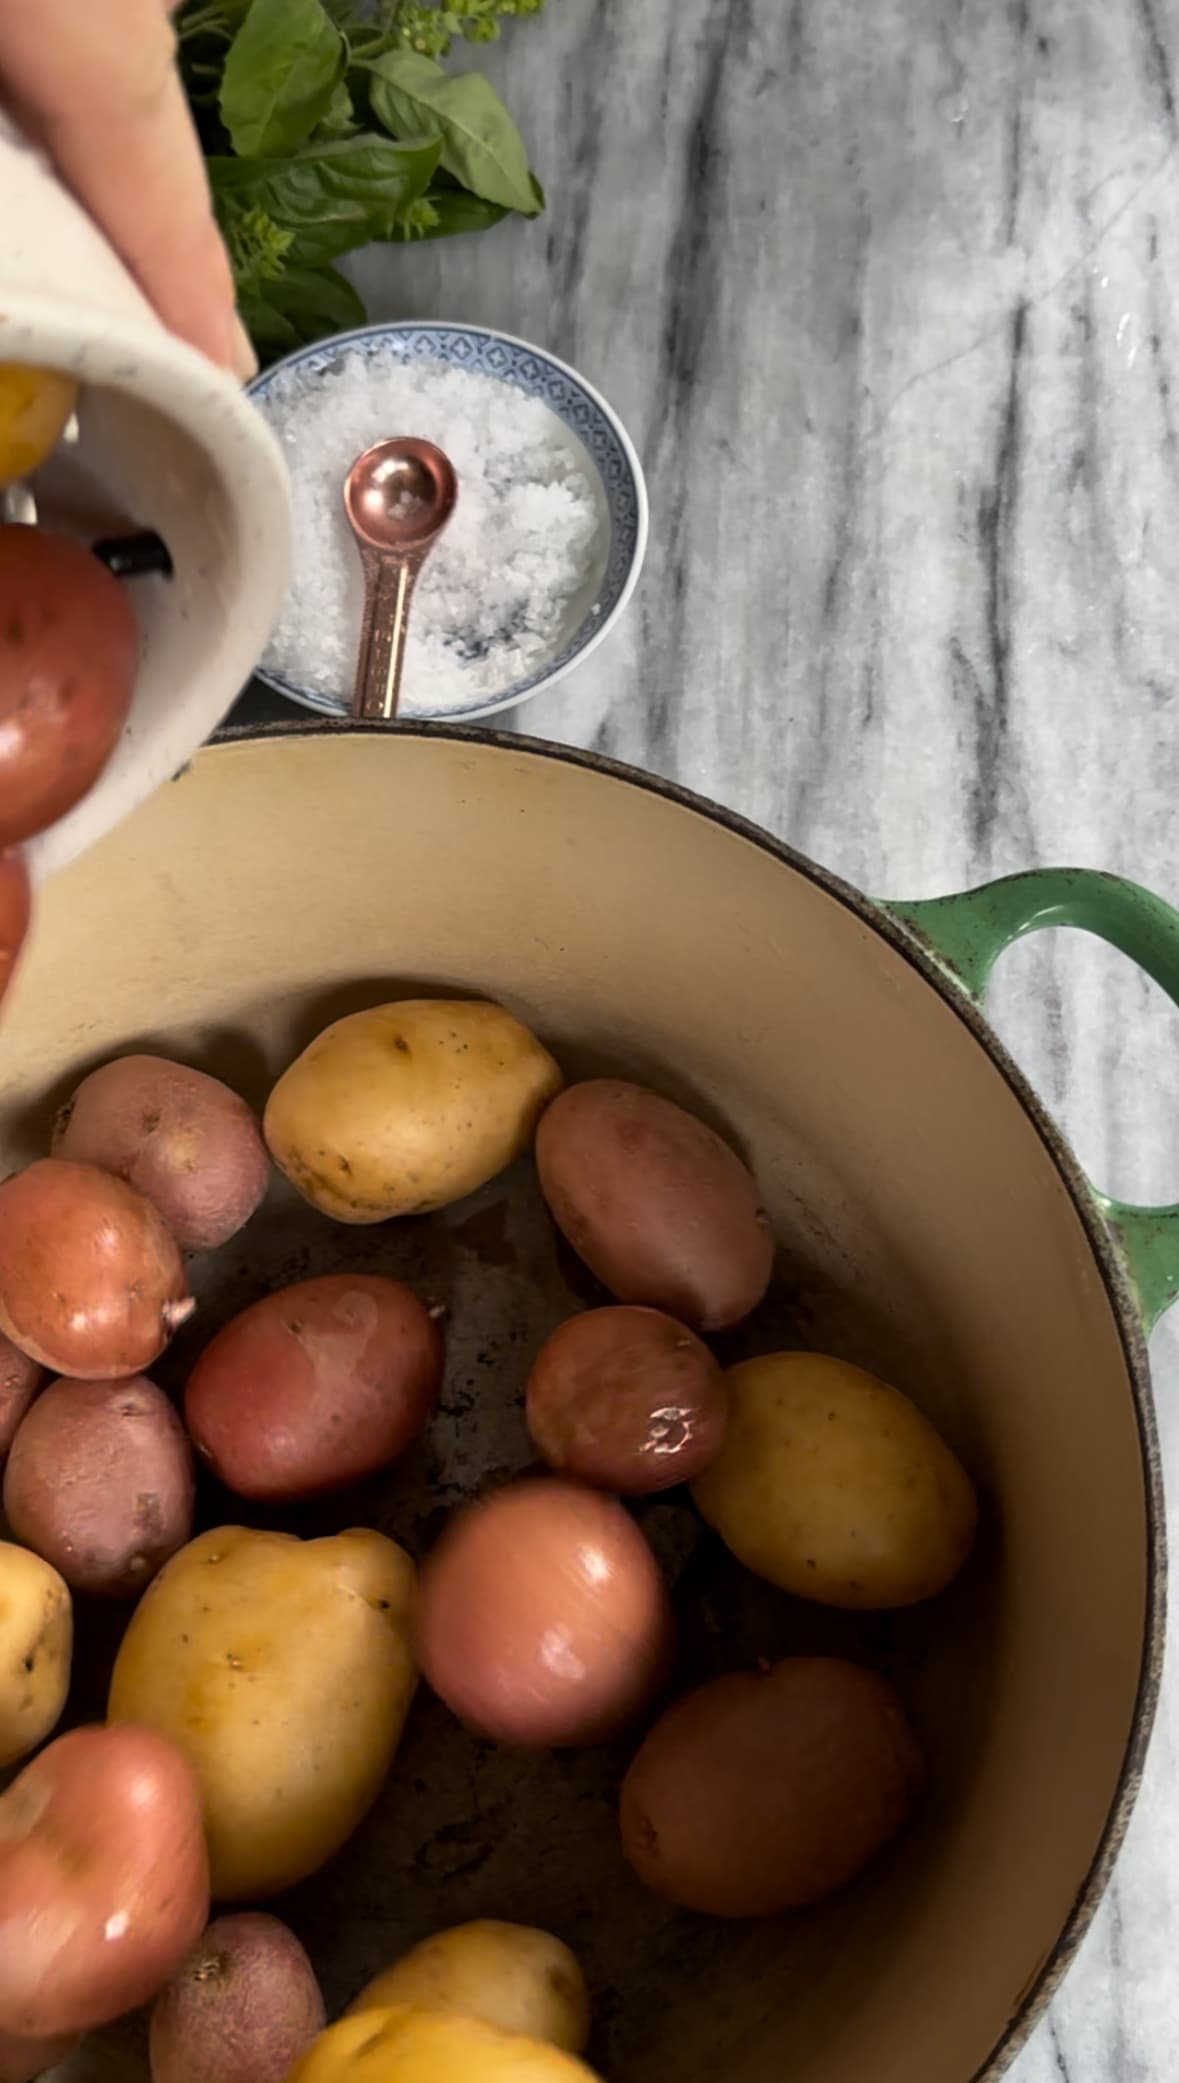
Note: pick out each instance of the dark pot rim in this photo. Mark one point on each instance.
(1048, 1974)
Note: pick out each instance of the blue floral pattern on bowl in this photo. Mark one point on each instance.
(575, 403)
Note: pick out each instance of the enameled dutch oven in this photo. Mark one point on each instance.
(932, 1223)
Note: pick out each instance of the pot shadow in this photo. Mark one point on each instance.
(651, 1070)
(360, 995)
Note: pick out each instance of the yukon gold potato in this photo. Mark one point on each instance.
(34, 407)
(509, 1975)
(281, 1668)
(36, 1639)
(406, 2045)
(408, 1107)
(834, 1486)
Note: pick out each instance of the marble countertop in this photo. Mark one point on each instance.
(887, 296)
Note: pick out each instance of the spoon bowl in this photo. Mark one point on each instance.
(400, 494)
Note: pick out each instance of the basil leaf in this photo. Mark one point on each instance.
(339, 117)
(280, 76)
(197, 18)
(453, 212)
(413, 97)
(332, 196)
(272, 334)
(305, 304)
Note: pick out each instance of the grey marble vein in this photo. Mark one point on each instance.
(888, 295)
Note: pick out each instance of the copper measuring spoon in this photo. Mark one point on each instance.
(399, 496)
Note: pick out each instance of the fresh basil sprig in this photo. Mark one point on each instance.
(330, 123)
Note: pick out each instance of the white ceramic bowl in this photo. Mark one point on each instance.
(171, 444)
(592, 429)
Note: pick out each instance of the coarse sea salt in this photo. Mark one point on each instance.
(505, 585)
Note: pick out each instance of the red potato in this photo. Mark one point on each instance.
(100, 1482)
(91, 1281)
(104, 1879)
(242, 2008)
(15, 909)
(180, 1137)
(659, 1208)
(764, 1791)
(542, 1617)
(69, 650)
(626, 1398)
(22, 2061)
(315, 1386)
(20, 1379)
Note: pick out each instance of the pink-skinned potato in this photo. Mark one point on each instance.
(543, 1619)
(100, 1482)
(69, 651)
(242, 2008)
(315, 1385)
(764, 1791)
(104, 1879)
(22, 2061)
(626, 1399)
(656, 1204)
(91, 1280)
(20, 1379)
(15, 911)
(177, 1135)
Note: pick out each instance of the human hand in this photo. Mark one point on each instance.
(95, 82)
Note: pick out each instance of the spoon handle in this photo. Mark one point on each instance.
(388, 589)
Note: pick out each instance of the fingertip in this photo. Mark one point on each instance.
(243, 360)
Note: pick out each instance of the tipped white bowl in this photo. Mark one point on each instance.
(167, 442)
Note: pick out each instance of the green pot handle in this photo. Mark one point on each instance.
(967, 934)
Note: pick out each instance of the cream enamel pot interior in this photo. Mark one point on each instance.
(931, 1224)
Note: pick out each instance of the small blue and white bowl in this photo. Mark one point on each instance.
(589, 427)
